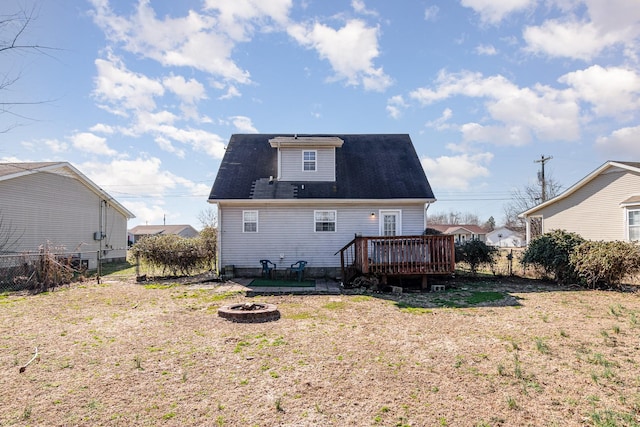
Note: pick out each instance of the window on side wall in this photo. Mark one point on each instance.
(250, 221)
(309, 160)
(325, 221)
(633, 222)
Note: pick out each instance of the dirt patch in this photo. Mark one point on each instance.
(122, 353)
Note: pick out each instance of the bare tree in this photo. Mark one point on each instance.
(208, 217)
(453, 218)
(13, 30)
(526, 198)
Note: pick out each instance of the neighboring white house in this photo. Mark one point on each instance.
(604, 205)
(462, 232)
(140, 231)
(505, 237)
(53, 203)
(303, 197)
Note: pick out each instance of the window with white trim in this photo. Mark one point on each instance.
(250, 221)
(309, 160)
(633, 222)
(325, 220)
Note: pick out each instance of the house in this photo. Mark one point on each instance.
(505, 237)
(140, 231)
(303, 197)
(54, 203)
(604, 205)
(461, 232)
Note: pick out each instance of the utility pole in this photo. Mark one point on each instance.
(541, 178)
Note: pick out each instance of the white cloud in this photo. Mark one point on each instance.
(90, 143)
(494, 11)
(189, 91)
(102, 128)
(441, 122)
(123, 89)
(486, 49)
(239, 18)
(141, 176)
(549, 113)
(232, 92)
(575, 40)
(395, 105)
(622, 144)
(189, 41)
(588, 28)
(431, 13)
(350, 50)
(243, 124)
(56, 146)
(359, 7)
(613, 91)
(456, 172)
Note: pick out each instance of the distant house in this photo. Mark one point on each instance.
(604, 205)
(304, 197)
(54, 203)
(140, 231)
(461, 232)
(505, 237)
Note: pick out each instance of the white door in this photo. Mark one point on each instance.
(390, 223)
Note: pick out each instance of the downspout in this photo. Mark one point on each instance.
(426, 208)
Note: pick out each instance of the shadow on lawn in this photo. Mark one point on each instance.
(467, 292)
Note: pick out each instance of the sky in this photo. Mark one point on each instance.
(142, 96)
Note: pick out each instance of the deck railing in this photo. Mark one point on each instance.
(398, 255)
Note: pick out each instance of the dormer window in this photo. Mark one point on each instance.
(309, 161)
(306, 158)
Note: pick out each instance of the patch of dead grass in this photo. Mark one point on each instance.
(125, 354)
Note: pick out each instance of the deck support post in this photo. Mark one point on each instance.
(424, 281)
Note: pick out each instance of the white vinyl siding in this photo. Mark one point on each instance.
(250, 221)
(290, 231)
(292, 165)
(325, 221)
(594, 210)
(50, 207)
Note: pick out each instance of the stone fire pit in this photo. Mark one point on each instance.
(249, 312)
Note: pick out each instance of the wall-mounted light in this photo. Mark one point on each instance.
(373, 214)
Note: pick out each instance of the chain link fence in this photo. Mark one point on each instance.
(39, 271)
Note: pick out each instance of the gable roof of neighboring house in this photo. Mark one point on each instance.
(152, 230)
(458, 228)
(16, 170)
(630, 166)
(368, 166)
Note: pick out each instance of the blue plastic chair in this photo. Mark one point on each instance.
(298, 269)
(267, 268)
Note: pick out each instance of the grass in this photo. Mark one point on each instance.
(120, 353)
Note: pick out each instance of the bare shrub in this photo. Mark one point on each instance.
(605, 263)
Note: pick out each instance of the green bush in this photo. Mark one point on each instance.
(177, 254)
(605, 263)
(475, 253)
(551, 252)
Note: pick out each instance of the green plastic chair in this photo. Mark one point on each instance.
(298, 269)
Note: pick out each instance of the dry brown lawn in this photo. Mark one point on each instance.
(122, 354)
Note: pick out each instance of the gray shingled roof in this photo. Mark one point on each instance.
(377, 166)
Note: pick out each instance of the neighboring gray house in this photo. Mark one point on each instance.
(604, 205)
(140, 231)
(52, 202)
(304, 197)
(505, 237)
(461, 232)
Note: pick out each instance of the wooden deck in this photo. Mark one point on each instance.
(397, 256)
